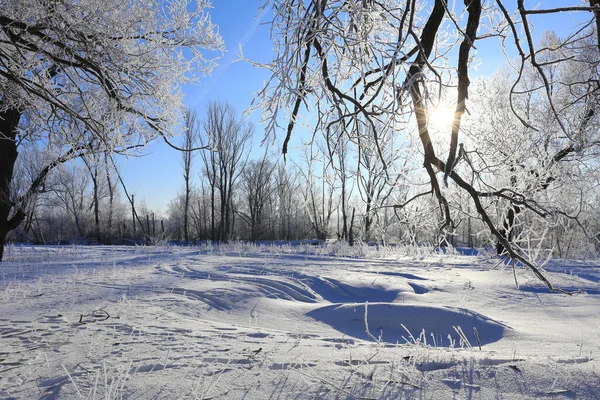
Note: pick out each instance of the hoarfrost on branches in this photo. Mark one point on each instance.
(368, 69)
(88, 77)
(107, 71)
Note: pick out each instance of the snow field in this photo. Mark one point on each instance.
(258, 322)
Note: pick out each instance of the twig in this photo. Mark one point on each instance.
(515, 273)
(477, 337)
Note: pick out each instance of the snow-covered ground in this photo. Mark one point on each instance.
(300, 322)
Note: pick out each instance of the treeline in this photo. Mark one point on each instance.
(350, 191)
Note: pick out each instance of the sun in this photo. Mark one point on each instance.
(440, 119)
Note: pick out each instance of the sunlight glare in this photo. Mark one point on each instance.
(441, 117)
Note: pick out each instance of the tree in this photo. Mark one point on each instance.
(289, 209)
(87, 77)
(228, 139)
(97, 168)
(377, 176)
(190, 136)
(210, 161)
(317, 192)
(542, 161)
(72, 182)
(257, 183)
(112, 190)
(338, 156)
(387, 62)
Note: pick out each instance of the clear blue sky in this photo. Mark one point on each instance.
(157, 177)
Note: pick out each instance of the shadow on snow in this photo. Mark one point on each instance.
(399, 323)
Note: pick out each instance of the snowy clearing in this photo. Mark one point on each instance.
(278, 322)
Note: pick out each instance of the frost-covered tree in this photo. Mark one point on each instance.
(317, 191)
(291, 219)
(190, 137)
(86, 76)
(227, 139)
(378, 175)
(258, 187)
(71, 189)
(363, 65)
(534, 155)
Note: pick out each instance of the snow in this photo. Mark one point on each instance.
(302, 322)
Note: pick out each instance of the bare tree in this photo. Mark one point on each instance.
(210, 161)
(257, 183)
(95, 164)
(72, 183)
(190, 137)
(289, 210)
(317, 192)
(339, 158)
(112, 197)
(377, 177)
(370, 62)
(228, 140)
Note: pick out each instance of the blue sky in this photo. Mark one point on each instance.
(157, 177)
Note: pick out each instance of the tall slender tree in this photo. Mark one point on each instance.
(190, 137)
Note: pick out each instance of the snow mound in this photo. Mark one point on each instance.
(400, 323)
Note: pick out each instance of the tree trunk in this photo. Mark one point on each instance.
(469, 233)
(351, 231)
(232, 227)
(133, 216)
(9, 120)
(149, 232)
(508, 225)
(202, 211)
(368, 220)
(110, 203)
(2, 239)
(186, 212)
(212, 212)
(94, 174)
(153, 224)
